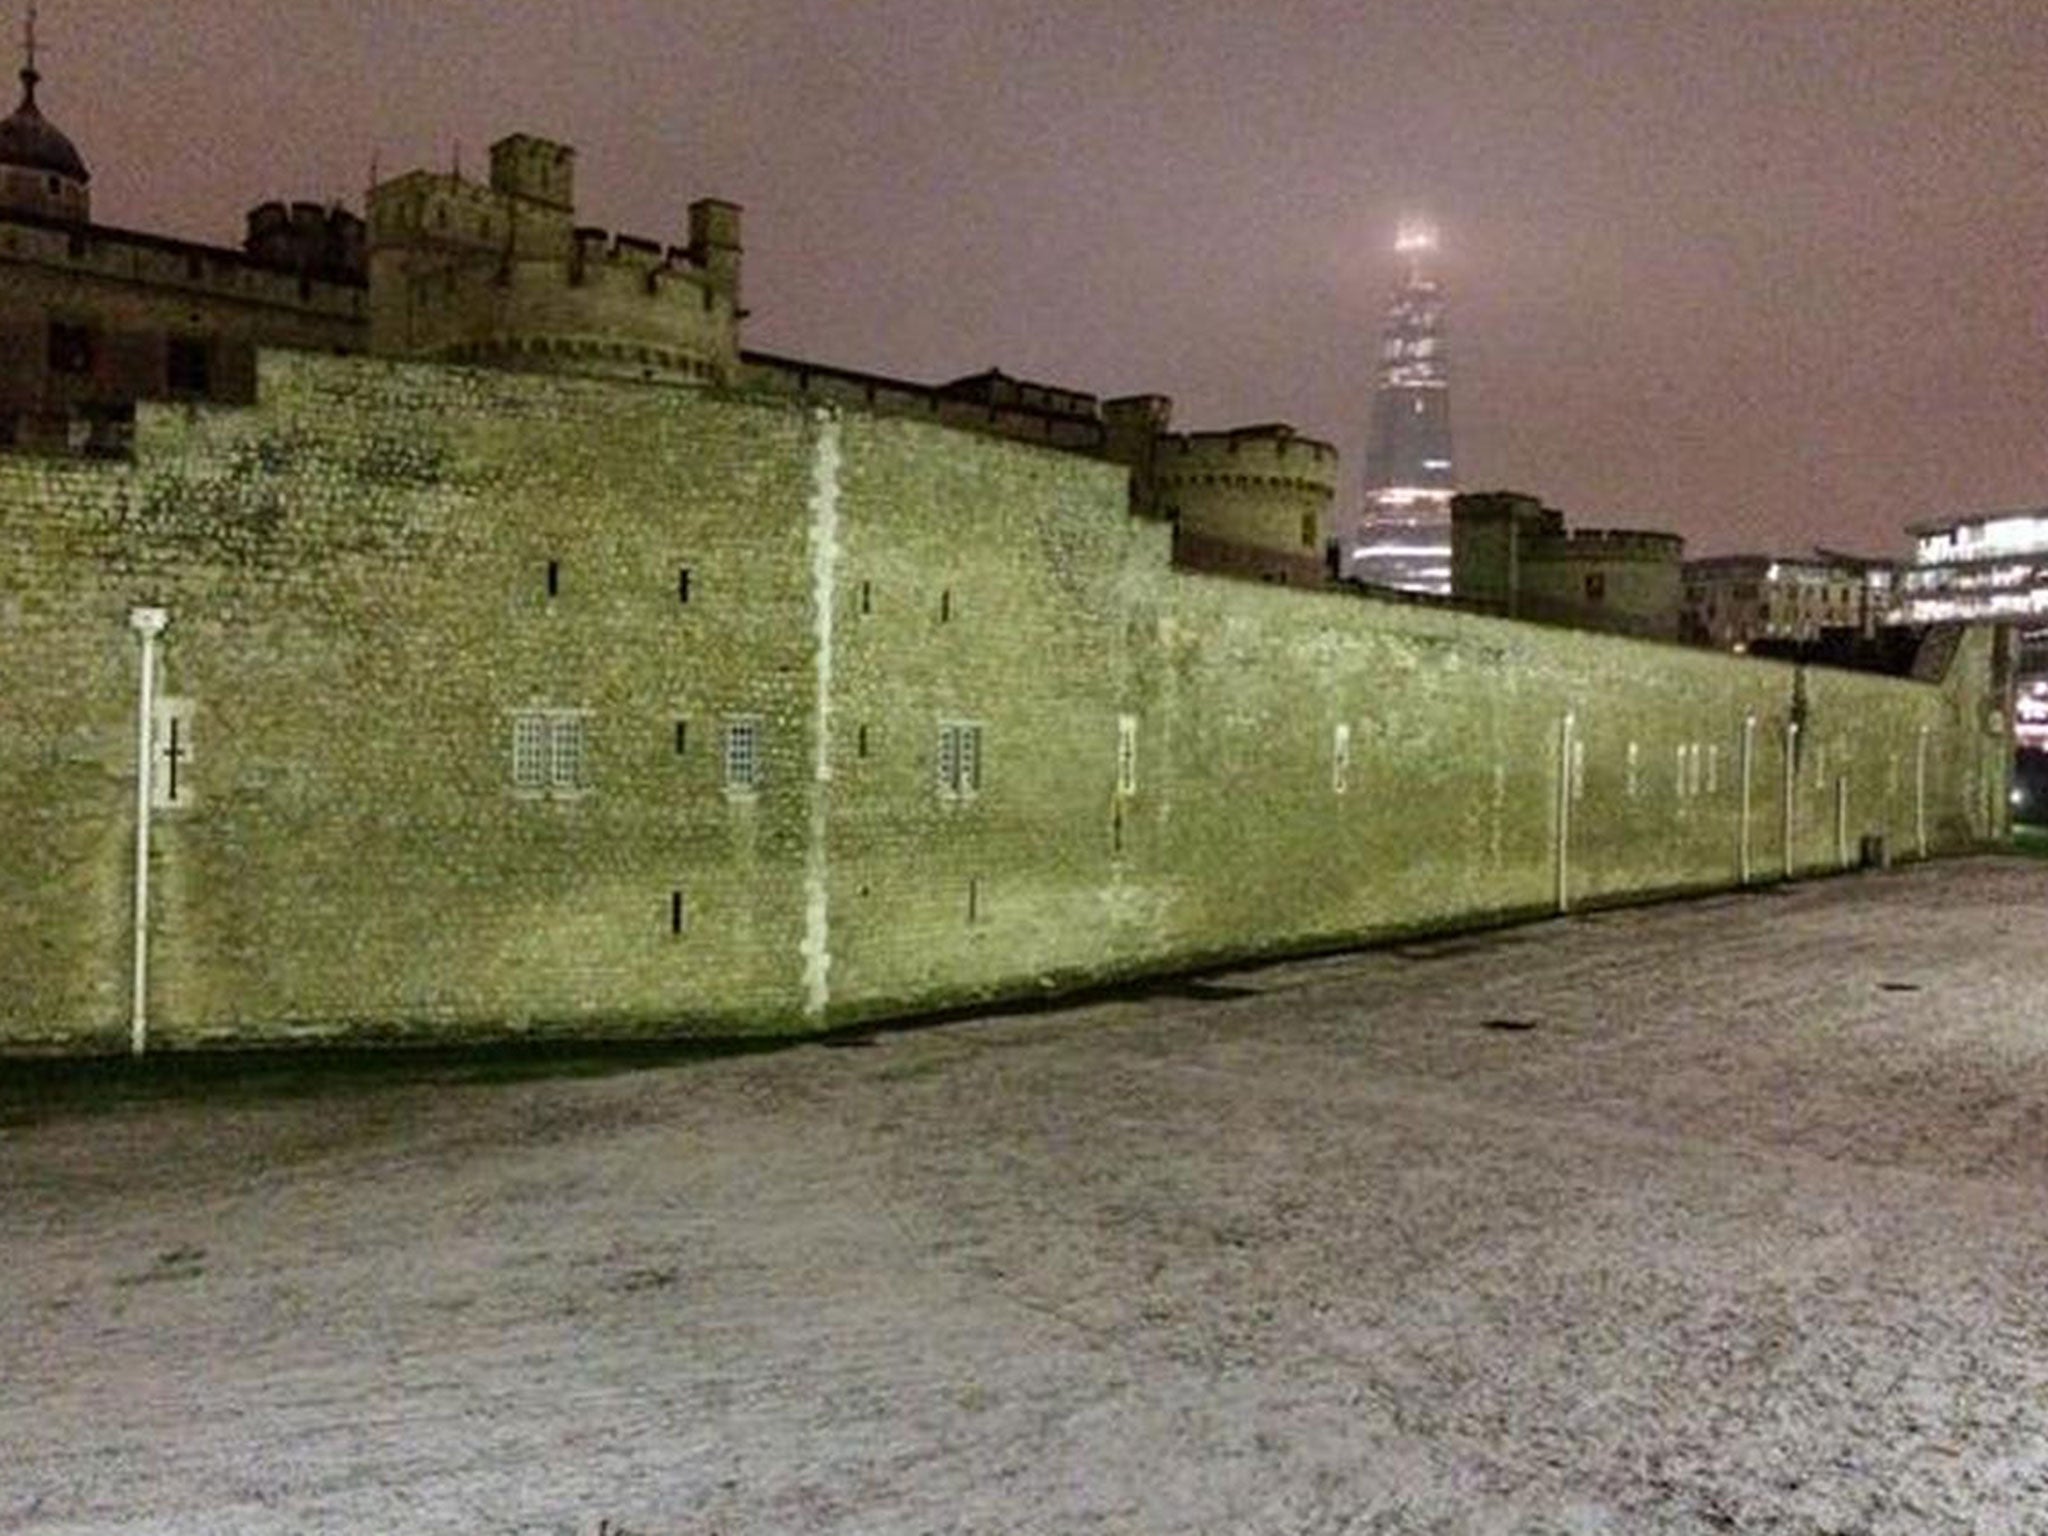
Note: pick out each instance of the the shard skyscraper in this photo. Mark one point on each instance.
(1403, 535)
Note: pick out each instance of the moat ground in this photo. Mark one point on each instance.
(1743, 1226)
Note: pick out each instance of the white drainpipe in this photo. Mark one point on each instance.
(1842, 819)
(1748, 757)
(1920, 793)
(1564, 811)
(1791, 784)
(148, 623)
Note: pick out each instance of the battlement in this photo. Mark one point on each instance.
(1152, 414)
(1609, 544)
(1251, 501)
(998, 391)
(316, 239)
(501, 273)
(626, 312)
(945, 403)
(594, 253)
(1511, 554)
(1270, 453)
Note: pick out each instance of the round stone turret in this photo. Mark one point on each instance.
(40, 171)
(1254, 501)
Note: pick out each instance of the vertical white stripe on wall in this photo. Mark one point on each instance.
(824, 544)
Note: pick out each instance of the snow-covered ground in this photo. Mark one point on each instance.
(1748, 1232)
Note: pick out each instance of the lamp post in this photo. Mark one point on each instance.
(147, 623)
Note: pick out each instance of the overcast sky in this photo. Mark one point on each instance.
(1767, 274)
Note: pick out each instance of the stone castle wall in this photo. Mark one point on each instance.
(1022, 419)
(1619, 580)
(1254, 502)
(1511, 554)
(380, 570)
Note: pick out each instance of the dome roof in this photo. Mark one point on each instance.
(30, 141)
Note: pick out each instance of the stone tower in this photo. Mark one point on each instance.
(40, 172)
(500, 273)
(1403, 534)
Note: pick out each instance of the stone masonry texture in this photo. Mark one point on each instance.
(375, 570)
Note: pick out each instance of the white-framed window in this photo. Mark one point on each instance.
(743, 754)
(1127, 754)
(1713, 767)
(567, 754)
(550, 751)
(1634, 762)
(959, 758)
(1340, 757)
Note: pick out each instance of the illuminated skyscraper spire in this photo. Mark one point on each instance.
(1403, 535)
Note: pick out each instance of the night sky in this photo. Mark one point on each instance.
(1766, 274)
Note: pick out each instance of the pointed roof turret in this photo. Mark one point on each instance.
(30, 141)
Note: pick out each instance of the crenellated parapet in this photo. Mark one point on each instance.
(1260, 495)
(1606, 544)
(311, 239)
(1270, 456)
(501, 274)
(1511, 554)
(992, 402)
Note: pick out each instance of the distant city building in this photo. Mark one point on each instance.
(1512, 555)
(1992, 565)
(1989, 566)
(1735, 601)
(2030, 715)
(1403, 535)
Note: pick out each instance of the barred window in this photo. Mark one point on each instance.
(959, 757)
(1127, 754)
(550, 750)
(970, 759)
(530, 750)
(742, 754)
(566, 768)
